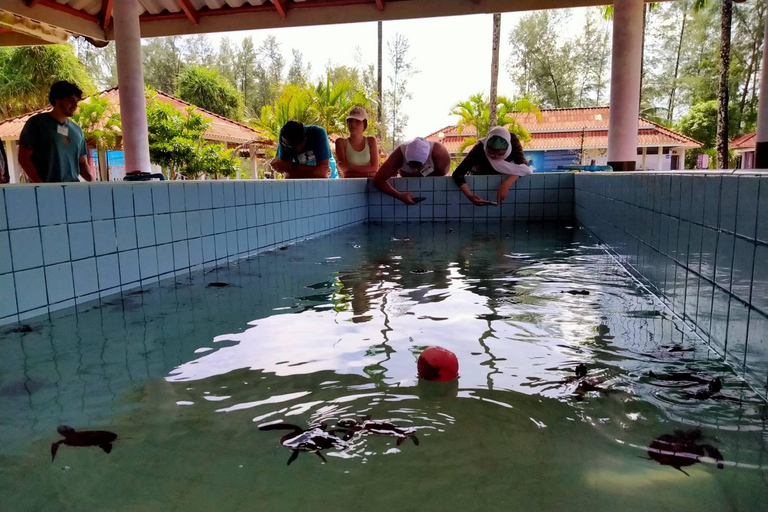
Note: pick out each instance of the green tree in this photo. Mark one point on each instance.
(163, 62)
(542, 65)
(225, 60)
(100, 62)
(245, 70)
(27, 72)
(592, 57)
(397, 95)
(100, 121)
(269, 73)
(176, 143)
(475, 112)
(207, 89)
(294, 103)
(298, 73)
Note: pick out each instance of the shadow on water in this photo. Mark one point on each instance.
(185, 372)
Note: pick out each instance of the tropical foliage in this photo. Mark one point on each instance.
(207, 89)
(27, 72)
(100, 122)
(176, 143)
(475, 112)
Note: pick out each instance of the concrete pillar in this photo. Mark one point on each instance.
(761, 147)
(626, 60)
(103, 167)
(660, 159)
(682, 159)
(252, 161)
(645, 154)
(13, 161)
(133, 108)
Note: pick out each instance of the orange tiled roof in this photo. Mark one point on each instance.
(563, 128)
(746, 141)
(221, 129)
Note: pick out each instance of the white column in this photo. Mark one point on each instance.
(133, 108)
(660, 159)
(682, 159)
(103, 167)
(645, 154)
(13, 162)
(761, 148)
(625, 83)
(252, 161)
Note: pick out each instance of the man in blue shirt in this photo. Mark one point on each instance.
(303, 152)
(52, 147)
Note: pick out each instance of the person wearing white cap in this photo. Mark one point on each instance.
(413, 159)
(358, 155)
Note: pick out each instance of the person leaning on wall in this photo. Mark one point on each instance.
(357, 155)
(52, 147)
(413, 159)
(498, 153)
(302, 152)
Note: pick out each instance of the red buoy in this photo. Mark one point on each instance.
(438, 364)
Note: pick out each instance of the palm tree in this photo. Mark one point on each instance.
(332, 104)
(475, 112)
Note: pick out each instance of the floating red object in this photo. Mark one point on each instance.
(438, 364)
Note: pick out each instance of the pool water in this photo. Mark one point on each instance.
(184, 373)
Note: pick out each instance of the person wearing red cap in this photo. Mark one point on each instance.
(358, 155)
(413, 159)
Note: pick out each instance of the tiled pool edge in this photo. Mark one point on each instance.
(700, 242)
(82, 242)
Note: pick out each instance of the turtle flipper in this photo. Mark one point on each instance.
(400, 440)
(54, 449)
(321, 456)
(713, 452)
(107, 447)
(281, 426)
(293, 457)
(681, 470)
(414, 439)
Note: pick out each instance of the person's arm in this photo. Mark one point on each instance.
(321, 170)
(389, 170)
(85, 169)
(504, 188)
(358, 171)
(459, 175)
(442, 160)
(25, 160)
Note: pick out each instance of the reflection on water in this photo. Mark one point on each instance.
(328, 331)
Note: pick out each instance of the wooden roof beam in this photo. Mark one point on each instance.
(282, 8)
(51, 4)
(106, 14)
(190, 11)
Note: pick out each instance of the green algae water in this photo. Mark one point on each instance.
(184, 373)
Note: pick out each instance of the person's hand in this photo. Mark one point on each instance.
(501, 195)
(407, 198)
(477, 200)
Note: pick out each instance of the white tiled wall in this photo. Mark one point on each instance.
(62, 245)
(537, 196)
(701, 242)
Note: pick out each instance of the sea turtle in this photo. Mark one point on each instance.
(713, 388)
(577, 292)
(682, 448)
(310, 440)
(377, 427)
(101, 438)
(217, 285)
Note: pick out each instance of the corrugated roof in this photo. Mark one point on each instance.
(222, 129)
(745, 142)
(562, 129)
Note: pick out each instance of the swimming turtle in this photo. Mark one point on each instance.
(313, 439)
(682, 448)
(713, 388)
(217, 285)
(577, 292)
(101, 438)
(377, 427)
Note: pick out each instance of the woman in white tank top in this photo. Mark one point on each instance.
(358, 155)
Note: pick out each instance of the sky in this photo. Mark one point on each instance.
(452, 54)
